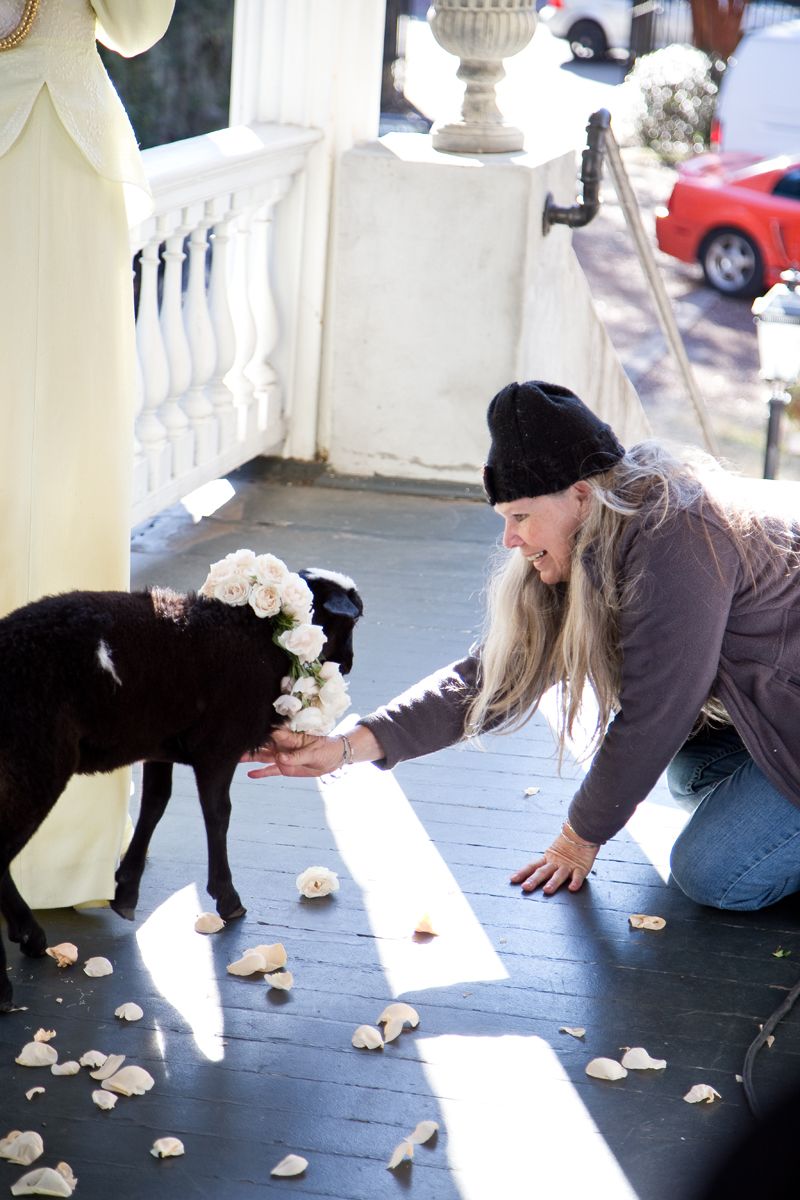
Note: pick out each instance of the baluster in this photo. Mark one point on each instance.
(200, 336)
(224, 332)
(139, 490)
(238, 379)
(265, 311)
(155, 371)
(179, 358)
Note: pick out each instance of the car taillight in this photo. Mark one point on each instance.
(556, 3)
(716, 134)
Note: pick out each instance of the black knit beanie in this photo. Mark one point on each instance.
(543, 440)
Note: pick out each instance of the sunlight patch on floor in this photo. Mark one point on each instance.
(181, 967)
(402, 876)
(205, 500)
(515, 1124)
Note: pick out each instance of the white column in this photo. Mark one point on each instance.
(312, 63)
(238, 378)
(222, 321)
(140, 473)
(200, 336)
(265, 313)
(154, 369)
(179, 356)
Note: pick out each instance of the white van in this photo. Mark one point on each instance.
(758, 109)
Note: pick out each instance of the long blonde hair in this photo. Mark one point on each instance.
(538, 635)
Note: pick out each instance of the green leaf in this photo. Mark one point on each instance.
(781, 953)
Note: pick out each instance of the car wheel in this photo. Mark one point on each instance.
(732, 263)
(587, 40)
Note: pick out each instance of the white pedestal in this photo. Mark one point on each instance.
(445, 289)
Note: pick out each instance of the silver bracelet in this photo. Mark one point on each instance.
(347, 751)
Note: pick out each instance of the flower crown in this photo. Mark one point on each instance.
(313, 694)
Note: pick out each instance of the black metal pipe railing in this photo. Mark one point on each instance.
(581, 213)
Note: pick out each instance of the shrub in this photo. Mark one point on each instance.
(675, 99)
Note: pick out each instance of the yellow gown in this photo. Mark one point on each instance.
(67, 366)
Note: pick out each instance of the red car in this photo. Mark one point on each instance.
(738, 216)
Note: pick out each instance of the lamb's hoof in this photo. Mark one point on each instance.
(238, 911)
(123, 910)
(33, 944)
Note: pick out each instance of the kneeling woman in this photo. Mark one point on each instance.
(648, 580)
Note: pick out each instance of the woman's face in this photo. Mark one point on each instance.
(543, 529)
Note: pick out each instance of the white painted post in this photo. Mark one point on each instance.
(200, 336)
(222, 321)
(311, 63)
(177, 350)
(265, 314)
(238, 378)
(155, 372)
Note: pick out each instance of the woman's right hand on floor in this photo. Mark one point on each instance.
(568, 860)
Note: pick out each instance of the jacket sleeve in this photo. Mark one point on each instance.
(428, 716)
(132, 26)
(671, 639)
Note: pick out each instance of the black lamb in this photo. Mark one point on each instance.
(92, 681)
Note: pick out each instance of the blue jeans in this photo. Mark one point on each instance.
(741, 848)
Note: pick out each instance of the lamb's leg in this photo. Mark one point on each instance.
(156, 791)
(22, 925)
(213, 787)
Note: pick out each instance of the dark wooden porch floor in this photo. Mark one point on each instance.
(244, 1076)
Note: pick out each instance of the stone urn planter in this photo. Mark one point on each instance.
(481, 33)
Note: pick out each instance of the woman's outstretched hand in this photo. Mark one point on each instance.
(304, 755)
(569, 860)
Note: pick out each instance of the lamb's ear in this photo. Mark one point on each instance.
(340, 605)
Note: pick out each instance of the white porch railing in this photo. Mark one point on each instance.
(207, 322)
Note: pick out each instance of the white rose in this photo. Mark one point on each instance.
(243, 560)
(287, 706)
(334, 703)
(329, 670)
(296, 598)
(232, 589)
(332, 691)
(265, 600)
(220, 568)
(269, 569)
(304, 641)
(311, 720)
(306, 685)
(286, 684)
(317, 881)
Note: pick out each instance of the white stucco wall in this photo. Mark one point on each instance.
(443, 289)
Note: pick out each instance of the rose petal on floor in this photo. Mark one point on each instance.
(293, 1164)
(702, 1092)
(97, 967)
(209, 923)
(643, 921)
(402, 1153)
(367, 1037)
(605, 1068)
(37, 1054)
(423, 1132)
(167, 1147)
(636, 1058)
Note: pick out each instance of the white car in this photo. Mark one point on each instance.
(593, 27)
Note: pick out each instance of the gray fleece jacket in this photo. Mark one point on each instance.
(709, 619)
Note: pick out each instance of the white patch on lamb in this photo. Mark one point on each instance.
(344, 581)
(106, 662)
